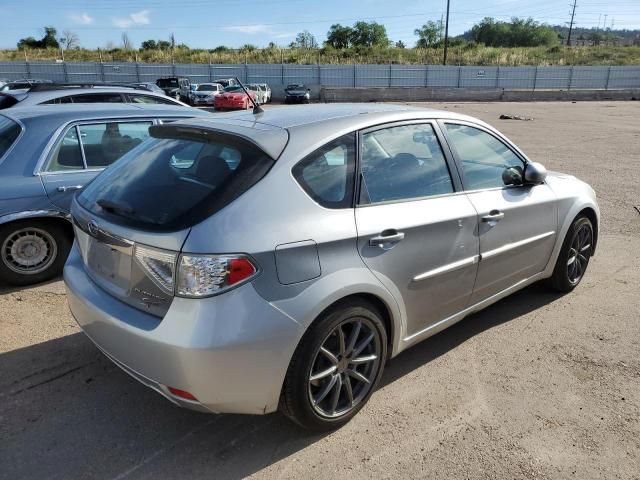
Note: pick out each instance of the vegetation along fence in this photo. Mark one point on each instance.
(511, 78)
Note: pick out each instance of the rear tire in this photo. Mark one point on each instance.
(32, 251)
(332, 375)
(574, 256)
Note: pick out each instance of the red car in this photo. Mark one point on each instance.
(233, 97)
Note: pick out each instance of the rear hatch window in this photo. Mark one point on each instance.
(9, 132)
(176, 179)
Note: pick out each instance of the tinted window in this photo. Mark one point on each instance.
(404, 162)
(68, 155)
(486, 161)
(97, 98)
(58, 101)
(104, 143)
(167, 82)
(327, 174)
(174, 182)
(136, 98)
(9, 131)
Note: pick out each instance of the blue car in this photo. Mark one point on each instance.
(47, 153)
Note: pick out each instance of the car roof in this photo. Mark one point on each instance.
(84, 111)
(44, 95)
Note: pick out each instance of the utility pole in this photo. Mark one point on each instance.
(599, 18)
(573, 13)
(446, 36)
(604, 24)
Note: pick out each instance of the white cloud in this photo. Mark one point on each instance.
(249, 29)
(137, 18)
(82, 18)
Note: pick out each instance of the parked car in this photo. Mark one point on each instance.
(175, 87)
(261, 94)
(233, 98)
(206, 93)
(267, 90)
(48, 94)
(46, 155)
(290, 254)
(297, 93)
(226, 82)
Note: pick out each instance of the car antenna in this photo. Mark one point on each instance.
(256, 106)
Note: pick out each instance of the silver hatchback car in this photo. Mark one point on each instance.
(250, 263)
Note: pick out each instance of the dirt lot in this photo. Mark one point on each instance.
(536, 386)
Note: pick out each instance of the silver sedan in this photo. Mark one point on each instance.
(277, 260)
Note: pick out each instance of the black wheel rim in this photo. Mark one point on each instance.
(344, 368)
(579, 254)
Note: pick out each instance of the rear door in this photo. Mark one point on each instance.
(415, 227)
(83, 151)
(517, 223)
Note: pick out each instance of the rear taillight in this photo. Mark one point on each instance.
(206, 275)
(159, 265)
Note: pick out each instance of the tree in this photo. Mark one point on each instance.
(429, 34)
(369, 35)
(248, 48)
(48, 41)
(400, 44)
(126, 42)
(69, 40)
(164, 45)
(172, 40)
(149, 45)
(304, 40)
(517, 33)
(339, 37)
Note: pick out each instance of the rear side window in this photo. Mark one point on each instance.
(327, 174)
(68, 154)
(175, 180)
(9, 132)
(97, 98)
(403, 163)
(149, 99)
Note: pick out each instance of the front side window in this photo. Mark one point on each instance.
(486, 161)
(104, 143)
(403, 163)
(327, 174)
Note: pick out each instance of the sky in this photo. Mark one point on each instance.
(207, 24)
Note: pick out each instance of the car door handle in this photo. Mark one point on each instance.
(69, 188)
(386, 237)
(494, 216)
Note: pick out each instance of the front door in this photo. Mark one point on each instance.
(517, 224)
(415, 231)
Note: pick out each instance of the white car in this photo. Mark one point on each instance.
(206, 93)
(267, 90)
(261, 93)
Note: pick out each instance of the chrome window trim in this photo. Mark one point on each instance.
(79, 137)
(45, 157)
(18, 138)
(450, 267)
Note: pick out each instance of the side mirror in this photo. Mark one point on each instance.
(534, 173)
(308, 90)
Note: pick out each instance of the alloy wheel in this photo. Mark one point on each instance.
(29, 251)
(345, 367)
(579, 254)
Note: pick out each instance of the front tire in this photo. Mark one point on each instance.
(32, 251)
(336, 366)
(574, 256)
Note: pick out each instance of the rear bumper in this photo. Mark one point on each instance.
(231, 351)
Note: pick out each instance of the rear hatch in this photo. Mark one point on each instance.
(133, 219)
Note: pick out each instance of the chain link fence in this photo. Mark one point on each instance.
(325, 75)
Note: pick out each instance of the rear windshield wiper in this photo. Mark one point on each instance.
(116, 208)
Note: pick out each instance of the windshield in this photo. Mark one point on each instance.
(196, 175)
(295, 86)
(167, 82)
(9, 132)
(253, 87)
(233, 88)
(207, 88)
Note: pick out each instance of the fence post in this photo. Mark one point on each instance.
(28, 67)
(535, 79)
(66, 74)
(459, 74)
(319, 73)
(498, 77)
(246, 71)
(606, 86)
(570, 78)
(137, 69)
(354, 75)
(389, 73)
(101, 69)
(426, 76)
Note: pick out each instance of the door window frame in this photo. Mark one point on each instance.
(454, 174)
(458, 161)
(47, 156)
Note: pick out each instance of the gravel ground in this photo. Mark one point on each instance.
(537, 386)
